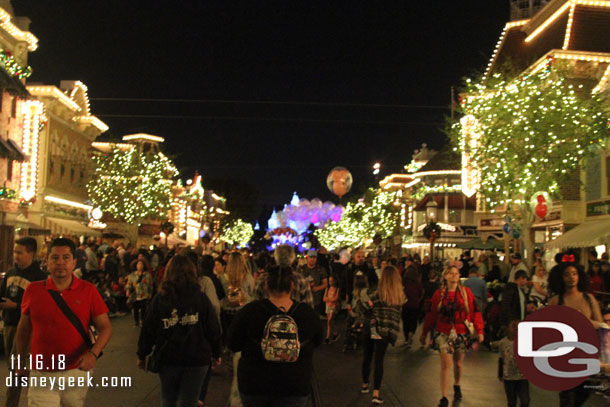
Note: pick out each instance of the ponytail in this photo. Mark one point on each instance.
(280, 279)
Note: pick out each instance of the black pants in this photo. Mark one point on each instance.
(139, 309)
(409, 321)
(517, 388)
(575, 397)
(376, 347)
(206, 381)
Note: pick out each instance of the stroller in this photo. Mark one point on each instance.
(353, 334)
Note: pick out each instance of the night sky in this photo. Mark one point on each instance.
(351, 83)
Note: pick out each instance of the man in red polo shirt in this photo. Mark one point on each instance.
(58, 351)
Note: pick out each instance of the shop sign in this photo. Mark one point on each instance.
(498, 222)
(598, 208)
(555, 215)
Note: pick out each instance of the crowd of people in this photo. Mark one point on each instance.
(264, 312)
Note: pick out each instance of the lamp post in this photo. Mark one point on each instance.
(431, 208)
(376, 170)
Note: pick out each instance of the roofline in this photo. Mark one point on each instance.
(602, 57)
(8, 26)
(536, 25)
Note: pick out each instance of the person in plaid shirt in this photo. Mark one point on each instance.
(284, 256)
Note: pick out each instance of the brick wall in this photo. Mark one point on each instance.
(570, 189)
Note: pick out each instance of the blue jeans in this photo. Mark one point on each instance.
(180, 385)
(252, 400)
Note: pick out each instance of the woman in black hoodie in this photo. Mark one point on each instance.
(183, 327)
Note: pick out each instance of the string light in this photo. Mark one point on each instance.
(33, 114)
(143, 136)
(435, 189)
(12, 29)
(534, 132)
(66, 202)
(548, 21)
(78, 85)
(361, 221)
(52, 91)
(440, 172)
(237, 232)
(507, 27)
(92, 120)
(130, 185)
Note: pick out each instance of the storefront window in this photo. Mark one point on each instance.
(455, 217)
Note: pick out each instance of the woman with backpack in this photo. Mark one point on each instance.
(275, 372)
(387, 304)
(453, 313)
(183, 327)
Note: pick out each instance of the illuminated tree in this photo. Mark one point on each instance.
(131, 185)
(526, 135)
(375, 214)
(237, 232)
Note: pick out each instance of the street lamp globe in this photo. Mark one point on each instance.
(431, 208)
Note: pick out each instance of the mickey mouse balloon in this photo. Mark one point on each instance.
(339, 181)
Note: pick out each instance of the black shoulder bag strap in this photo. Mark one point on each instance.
(71, 317)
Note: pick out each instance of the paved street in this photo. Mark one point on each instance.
(411, 378)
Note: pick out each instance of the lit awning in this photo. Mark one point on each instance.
(59, 226)
(586, 234)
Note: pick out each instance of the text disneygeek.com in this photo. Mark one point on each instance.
(63, 382)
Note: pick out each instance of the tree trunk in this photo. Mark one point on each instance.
(527, 219)
(132, 233)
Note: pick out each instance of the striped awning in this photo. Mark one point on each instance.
(586, 234)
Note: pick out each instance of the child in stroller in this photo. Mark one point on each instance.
(359, 313)
(353, 333)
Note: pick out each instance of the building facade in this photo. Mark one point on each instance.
(574, 33)
(16, 144)
(61, 166)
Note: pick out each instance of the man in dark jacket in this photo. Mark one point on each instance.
(11, 291)
(359, 264)
(515, 299)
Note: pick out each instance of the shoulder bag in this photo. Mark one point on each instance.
(89, 337)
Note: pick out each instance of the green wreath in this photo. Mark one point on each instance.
(432, 231)
(167, 228)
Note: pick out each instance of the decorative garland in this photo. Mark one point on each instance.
(12, 67)
(7, 193)
(436, 189)
(413, 166)
(25, 203)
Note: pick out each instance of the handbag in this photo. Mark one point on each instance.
(152, 363)
(90, 337)
(472, 332)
